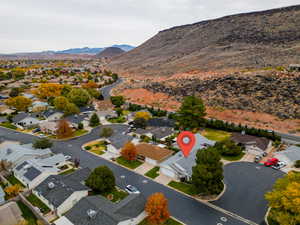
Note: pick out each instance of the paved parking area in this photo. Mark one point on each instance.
(246, 184)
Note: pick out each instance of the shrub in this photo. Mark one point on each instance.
(297, 164)
(87, 147)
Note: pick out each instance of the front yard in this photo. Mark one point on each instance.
(153, 173)
(8, 125)
(97, 147)
(184, 187)
(38, 203)
(130, 164)
(27, 214)
(170, 221)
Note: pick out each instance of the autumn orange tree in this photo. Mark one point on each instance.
(48, 90)
(90, 84)
(157, 208)
(21, 103)
(13, 190)
(64, 130)
(129, 151)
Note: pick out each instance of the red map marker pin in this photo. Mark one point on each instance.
(186, 141)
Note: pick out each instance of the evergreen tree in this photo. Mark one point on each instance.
(94, 121)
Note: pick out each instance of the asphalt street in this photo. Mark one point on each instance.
(246, 184)
(182, 207)
(106, 90)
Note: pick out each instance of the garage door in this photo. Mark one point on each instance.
(168, 172)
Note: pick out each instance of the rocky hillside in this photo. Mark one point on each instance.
(250, 40)
(269, 92)
(110, 52)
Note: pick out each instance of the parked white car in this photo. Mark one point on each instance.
(132, 190)
(279, 165)
(67, 157)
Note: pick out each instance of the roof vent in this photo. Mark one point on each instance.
(51, 185)
(243, 132)
(91, 213)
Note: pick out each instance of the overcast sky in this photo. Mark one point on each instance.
(35, 25)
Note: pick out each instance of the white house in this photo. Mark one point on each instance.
(61, 193)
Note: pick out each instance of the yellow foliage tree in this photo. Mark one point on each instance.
(13, 190)
(48, 90)
(90, 84)
(22, 222)
(142, 114)
(21, 103)
(157, 208)
(284, 200)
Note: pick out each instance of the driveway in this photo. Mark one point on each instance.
(246, 184)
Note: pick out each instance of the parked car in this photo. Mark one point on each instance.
(271, 162)
(132, 190)
(279, 165)
(257, 158)
(68, 157)
(36, 130)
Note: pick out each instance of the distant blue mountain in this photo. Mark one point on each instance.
(87, 50)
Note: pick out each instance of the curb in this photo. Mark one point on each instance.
(266, 216)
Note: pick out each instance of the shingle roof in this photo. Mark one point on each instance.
(119, 140)
(161, 122)
(19, 117)
(107, 212)
(245, 139)
(153, 152)
(64, 186)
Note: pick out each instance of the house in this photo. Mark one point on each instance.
(117, 141)
(25, 120)
(252, 144)
(107, 114)
(103, 105)
(39, 106)
(52, 115)
(152, 154)
(61, 192)
(27, 95)
(160, 133)
(76, 119)
(87, 110)
(290, 155)
(161, 122)
(10, 214)
(97, 210)
(2, 196)
(180, 167)
(48, 127)
(16, 153)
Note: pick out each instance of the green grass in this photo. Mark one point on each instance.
(13, 180)
(170, 221)
(27, 214)
(184, 187)
(79, 132)
(118, 195)
(38, 203)
(8, 125)
(68, 171)
(119, 119)
(130, 164)
(233, 158)
(153, 173)
(97, 151)
(215, 135)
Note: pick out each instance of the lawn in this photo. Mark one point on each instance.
(8, 125)
(130, 164)
(215, 135)
(98, 151)
(68, 171)
(170, 221)
(79, 132)
(27, 214)
(120, 119)
(38, 203)
(153, 173)
(233, 158)
(184, 187)
(116, 195)
(13, 180)
(98, 147)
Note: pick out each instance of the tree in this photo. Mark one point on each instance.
(42, 143)
(64, 130)
(129, 151)
(119, 111)
(117, 101)
(79, 97)
(143, 114)
(101, 180)
(5, 165)
(70, 109)
(94, 121)
(66, 89)
(297, 164)
(284, 200)
(106, 132)
(228, 148)
(13, 190)
(191, 113)
(94, 93)
(60, 102)
(80, 126)
(207, 175)
(90, 84)
(157, 208)
(21, 103)
(14, 92)
(140, 123)
(47, 90)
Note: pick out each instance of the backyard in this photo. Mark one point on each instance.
(215, 135)
(27, 214)
(13, 180)
(116, 195)
(38, 203)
